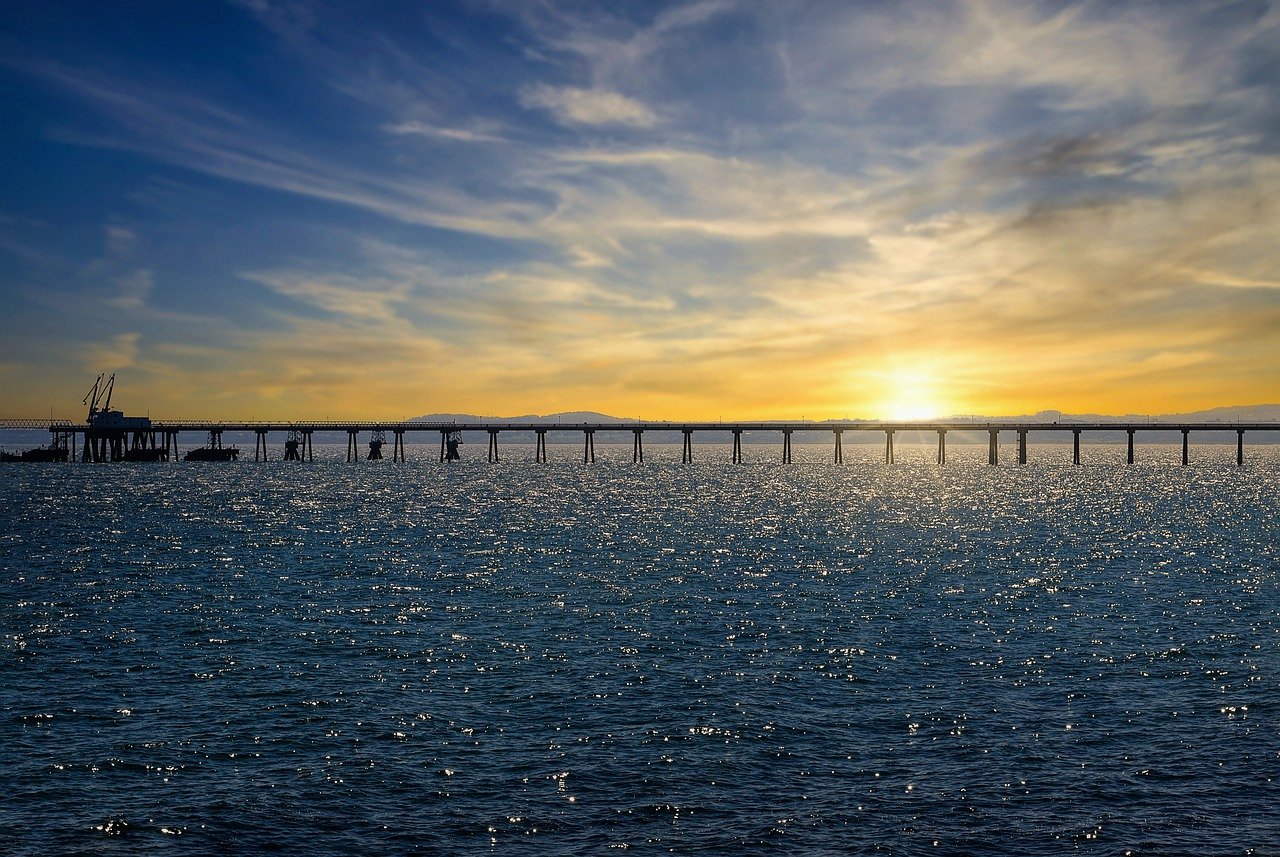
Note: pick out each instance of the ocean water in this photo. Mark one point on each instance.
(551, 659)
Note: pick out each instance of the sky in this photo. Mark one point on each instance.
(286, 209)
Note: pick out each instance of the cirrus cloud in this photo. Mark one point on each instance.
(575, 106)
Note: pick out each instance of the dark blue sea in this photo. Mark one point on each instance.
(565, 659)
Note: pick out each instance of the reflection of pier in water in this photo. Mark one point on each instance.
(162, 435)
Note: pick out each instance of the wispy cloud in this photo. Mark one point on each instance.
(575, 106)
(134, 288)
(422, 129)
(119, 352)
(204, 137)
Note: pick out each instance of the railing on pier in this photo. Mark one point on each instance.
(30, 424)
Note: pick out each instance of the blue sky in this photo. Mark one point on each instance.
(765, 209)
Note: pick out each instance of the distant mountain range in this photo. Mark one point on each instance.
(570, 417)
(1241, 413)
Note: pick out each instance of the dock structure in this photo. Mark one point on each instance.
(157, 440)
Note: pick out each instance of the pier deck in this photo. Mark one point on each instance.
(300, 434)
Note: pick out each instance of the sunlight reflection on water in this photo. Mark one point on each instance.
(561, 658)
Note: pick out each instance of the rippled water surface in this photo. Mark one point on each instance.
(563, 659)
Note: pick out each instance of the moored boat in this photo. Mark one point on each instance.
(213, 450)
(146, 454)
(212, 453)
(43, 453)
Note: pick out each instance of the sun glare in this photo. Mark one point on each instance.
(914, 410)
(910, 396)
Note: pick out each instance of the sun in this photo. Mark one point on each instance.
(910, 411)
(909, 396)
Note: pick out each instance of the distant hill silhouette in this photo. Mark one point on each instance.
(566, 418)
(1238, 413)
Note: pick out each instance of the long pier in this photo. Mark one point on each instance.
(107, 445)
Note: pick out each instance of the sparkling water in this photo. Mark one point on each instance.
(550, 659)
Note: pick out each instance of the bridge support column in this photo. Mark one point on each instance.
(993, 447)
(1130, 458)
(786, 446)
(737, 446)
(260, 446)
(1022, 446)
(443, 436)
(306, 442)
(888, 447)
(1075, 446)
(686, 455)
(353, 451)
(1186, 438)
(540, 447)
(942, 446)
(589, 446)
(493, 445)
(637, 446)
(839, 456)
(1239, 447)
(397, 450)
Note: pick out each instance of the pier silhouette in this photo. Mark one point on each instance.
(143, 439)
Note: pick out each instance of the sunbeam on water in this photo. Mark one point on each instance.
(558, 658)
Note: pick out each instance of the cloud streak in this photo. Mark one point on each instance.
(575, 106)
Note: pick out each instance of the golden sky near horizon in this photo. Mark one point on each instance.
(670, 211)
